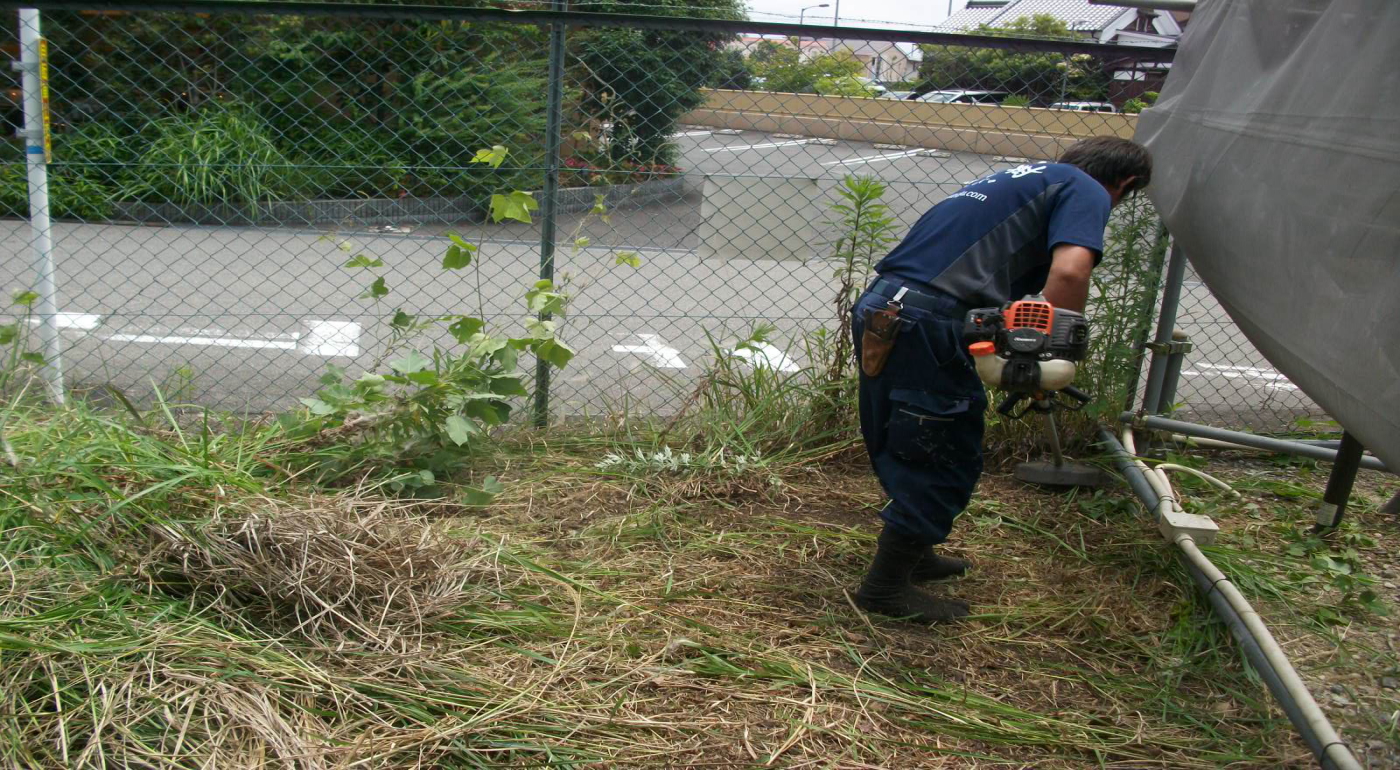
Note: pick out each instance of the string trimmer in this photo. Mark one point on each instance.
(1029, 349)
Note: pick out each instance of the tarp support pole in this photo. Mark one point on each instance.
(1344, 468)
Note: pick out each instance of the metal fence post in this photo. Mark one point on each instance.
(549, 206)
(35, 155)
(1180, 346)
(1159, 247)
(1166, 324)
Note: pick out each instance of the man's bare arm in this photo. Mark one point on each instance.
(1068, 284)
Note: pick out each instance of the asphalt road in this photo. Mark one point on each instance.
(248, 318)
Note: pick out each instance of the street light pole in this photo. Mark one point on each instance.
(1064, 81)
(801, 17)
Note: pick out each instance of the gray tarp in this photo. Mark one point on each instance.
(1277, 168)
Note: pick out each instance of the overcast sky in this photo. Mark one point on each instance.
(899, 13)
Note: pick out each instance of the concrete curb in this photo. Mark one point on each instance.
(386, 211)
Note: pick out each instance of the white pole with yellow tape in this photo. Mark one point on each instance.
(33, 66)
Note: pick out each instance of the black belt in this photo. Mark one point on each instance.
(920, 296)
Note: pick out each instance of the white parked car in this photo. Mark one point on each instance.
(964, 97)
(1084, 106)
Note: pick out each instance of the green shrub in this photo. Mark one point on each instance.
(1134, 106)
(1016, 100)
(71, 195)
(451, 112)
(354, 162)
(221, 153)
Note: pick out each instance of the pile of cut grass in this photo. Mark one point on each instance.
(169, 600)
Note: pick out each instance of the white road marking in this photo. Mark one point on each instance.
(330, 338)
(1270, 378)
(656, 351)
(201, 339)
(767, 355)
(873, 158)
(322, 338)
(759, 146)
(83, 322)
(693, 133)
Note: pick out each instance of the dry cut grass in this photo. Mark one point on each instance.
(168, 604)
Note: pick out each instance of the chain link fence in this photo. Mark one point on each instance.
(1225, 381)
(217, 175)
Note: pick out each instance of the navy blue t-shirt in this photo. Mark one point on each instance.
(990, 242)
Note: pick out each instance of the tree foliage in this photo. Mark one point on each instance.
(641, 81)
(781, 67)
(732, 72)
(1042, 77)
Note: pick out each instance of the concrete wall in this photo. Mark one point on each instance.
(987, 130)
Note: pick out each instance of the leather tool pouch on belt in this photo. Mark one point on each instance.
(878, 338)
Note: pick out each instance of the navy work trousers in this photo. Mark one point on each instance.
(922, 419)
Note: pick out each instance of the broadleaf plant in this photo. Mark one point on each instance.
(425, 408)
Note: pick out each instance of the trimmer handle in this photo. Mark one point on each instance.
(1076, 394)
(1008, 404)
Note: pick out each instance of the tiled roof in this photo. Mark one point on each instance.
(970, 18)
(1080, 15)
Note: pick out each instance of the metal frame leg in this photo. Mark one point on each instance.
(1339, 483)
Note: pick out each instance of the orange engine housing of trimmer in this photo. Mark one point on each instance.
(1030, 327)
(1030, 314)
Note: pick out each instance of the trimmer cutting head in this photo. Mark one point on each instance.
(1046, 473)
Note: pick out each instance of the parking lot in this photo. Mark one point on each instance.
(247, 318)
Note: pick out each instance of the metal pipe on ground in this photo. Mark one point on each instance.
(1311, 722)
(1130, 471)
(1257, 659)
(1207, 443)
(1254, 639)
(1250, 440)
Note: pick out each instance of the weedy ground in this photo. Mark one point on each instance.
(173, 595)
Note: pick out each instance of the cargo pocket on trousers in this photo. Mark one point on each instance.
(931, 428)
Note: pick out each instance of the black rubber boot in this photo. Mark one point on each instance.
(887, 590)
(932, 566)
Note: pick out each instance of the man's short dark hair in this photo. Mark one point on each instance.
(1110, 160)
